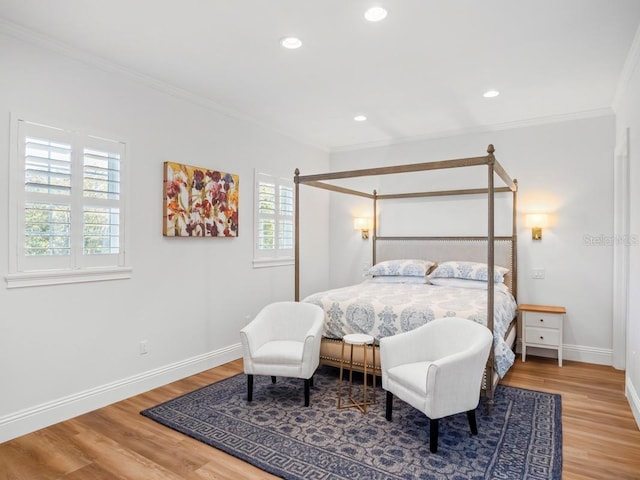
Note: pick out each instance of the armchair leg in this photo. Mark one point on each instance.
(389, 405)
(471, 416)
(249, 387)
(307, 381)
(433, 435)
(311, 381)
(273, 379)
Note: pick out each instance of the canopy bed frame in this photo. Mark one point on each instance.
(491, 249)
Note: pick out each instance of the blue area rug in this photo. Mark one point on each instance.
(520, 437)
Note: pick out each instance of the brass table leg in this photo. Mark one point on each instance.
(364, 341)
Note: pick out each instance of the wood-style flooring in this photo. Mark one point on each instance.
(600, 437)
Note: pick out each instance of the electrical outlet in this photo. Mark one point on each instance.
(537, 273)
(144, 347)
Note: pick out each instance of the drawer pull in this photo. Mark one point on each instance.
(541, 337)
(542, 320)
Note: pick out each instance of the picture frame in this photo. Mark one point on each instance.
(199, 202)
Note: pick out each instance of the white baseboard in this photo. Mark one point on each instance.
(633, 398)
(49, 413)
(578, 353)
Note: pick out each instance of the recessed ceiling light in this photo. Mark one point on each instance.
(375, 14)
(360, 118)
(291, 42)
(491, 93)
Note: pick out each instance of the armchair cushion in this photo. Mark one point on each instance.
(279, 352)
(411, 376)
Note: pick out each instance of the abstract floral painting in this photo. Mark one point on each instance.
(199, 202)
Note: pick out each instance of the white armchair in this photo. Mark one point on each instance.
(283, 340)
(437, 368)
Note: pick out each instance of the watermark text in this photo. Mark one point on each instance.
(602, 240)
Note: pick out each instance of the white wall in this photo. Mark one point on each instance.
(628, 119)
(564, 169)
(70, 348)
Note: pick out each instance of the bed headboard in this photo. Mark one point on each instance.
(442, 249)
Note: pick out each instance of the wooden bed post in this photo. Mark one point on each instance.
(514, 252)
(296, 247)
(374, 235)
(490, 264)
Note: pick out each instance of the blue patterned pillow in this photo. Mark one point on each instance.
(404, 267)
(397, 279)
(465, 283)
(469, 271)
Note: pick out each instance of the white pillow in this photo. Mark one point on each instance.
(402, 267)
(464, 283)
(469, 271)
(397, 279)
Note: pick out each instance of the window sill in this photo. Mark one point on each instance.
(58, 277)
(273, 262)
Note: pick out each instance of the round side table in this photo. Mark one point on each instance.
(357, 339)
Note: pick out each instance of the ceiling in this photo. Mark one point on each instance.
(419, 73)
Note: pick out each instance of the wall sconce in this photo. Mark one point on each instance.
(536, 221)
(362, 224)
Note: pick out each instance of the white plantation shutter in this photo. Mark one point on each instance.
(285, 231)
(266, 216)
(47, 195)
(274, 220)
(68, 201)
(101, 200)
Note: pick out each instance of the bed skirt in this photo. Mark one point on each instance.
(331, 350)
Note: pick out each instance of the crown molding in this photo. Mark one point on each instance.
(43, 41)
(631, 66)
(532, 122)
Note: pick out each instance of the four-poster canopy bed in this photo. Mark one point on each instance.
(494, 252)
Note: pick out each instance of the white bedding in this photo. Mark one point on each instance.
(383, 309)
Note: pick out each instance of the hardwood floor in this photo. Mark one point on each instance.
(600, 437)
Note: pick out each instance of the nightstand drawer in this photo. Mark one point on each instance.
(542, 336)
(547, 320)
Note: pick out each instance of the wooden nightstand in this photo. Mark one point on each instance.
(542, 328)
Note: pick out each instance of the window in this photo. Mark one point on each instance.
(67, 205)
(273, 221)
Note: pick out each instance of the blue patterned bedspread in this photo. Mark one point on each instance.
(383, 309)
